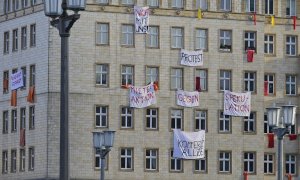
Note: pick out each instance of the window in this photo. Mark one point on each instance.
(151, 160)
(202, 4)
(292, 129)
(127, 35)
(270, 79)
(267, 128)
(290, 164)
(26, 3)
(249, 162)
(250, 123)
(101, 116)
(151, 74)
(269, 163)
(201, 164)
(201, 79)
(102, 74)
(102, 1)
(8, 6)
(177, 37)
(24, 37)
(13, 167)
(4, 162)
(225, 80)
(32, 35)
(102, 34)
(290, 85)
(23, 69)
(269, 44)
(22, 160)
(152, 38)
(225, 5)
(13, 120)
(31, 157)
(175, 163)
(5, 122)
(176, 78)
(250, 5)
(31, 117)
(98, 160)
(291, 45)
(126, 159)
(176, 119)
(6, 43)
(153, 3)
(250, 41)
(224, 123)
(32, 75)
(127, 2)
(200, 120)
(291, 7)
(225, 40)
(23, 118)
(201, 39)
(151, 119)
(250, 81)
(126, 117)
(33, 2)
(224, 162)
(127, 75)
(5, 82)
(177, 3)
(269, 5)
(15, 40)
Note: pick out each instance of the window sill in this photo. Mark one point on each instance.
(101, 86)
(225, 50)
(99, 44)
(176, 171)
(249, 133)
(127, 46)
(270, 55)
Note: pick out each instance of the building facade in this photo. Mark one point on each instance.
(106, 55)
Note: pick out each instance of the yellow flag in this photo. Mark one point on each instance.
(199, 13)
(272, 20)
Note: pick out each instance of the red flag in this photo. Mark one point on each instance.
(30, 96)
(198, 87)
(266, 84)
(5, 84)
(289, 176)
(294, 22)
(245, 175)
(293, 137)
(250, 54)
(254, 18)
(22, 137)
(155, 84)
(271, 140)
(13, 99)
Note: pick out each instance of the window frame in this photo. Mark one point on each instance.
(14, 119)
(153, 35)
(23, 37)
(127, 3)
(201, 3)
(31, 117)
(129, 117)
(127, 35)
(178, 78)
(289, 45)
(200, 120)
(176, 119)
(6, 40)
(292, 85)
(5, 120)
(248, 7)
(4, 162)
(151, 117)
(151, 2)
(22, 160)
(97, 156)
(150, 75)
(268, 44)
(31, 158)
(247, 162)
(100, 32)
(32, 35)
(6, 77)
(102, 75)
(224, 3)
(271, 83)
(203, 79)
(178, 4)
(290, 164)
(269, 163)
(223, 40)
(175, 162)
(15, 40)
(128, 75)
(24, 71)
(289, 4)
(152, 158)
(200, 39)
(32, 71)
(101, 115)
(198, 161)
(248, 40)
(177, 37)
(23, 118)
(267, 128)
(268, 9)
(126, 157)
(249, 121)
(248, 81)
(13, 163)
(223, 79)
(224, 120)
(225, 161)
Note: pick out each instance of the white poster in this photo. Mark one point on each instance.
(191, 58)
(16, 80)
(141, 97)
(237, 104)
(189, 145)
(187, 99)
(141, 19)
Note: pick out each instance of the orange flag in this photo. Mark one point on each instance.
(31, 93)
(13, 99)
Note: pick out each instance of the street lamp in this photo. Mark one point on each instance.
(103, 141)
(280, 124)
(57, 10)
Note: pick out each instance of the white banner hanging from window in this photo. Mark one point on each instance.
(191, 58)
(141, 19)
(187, 99)
(189, 145)
(16, 80)
(141, 97)
(237, 104)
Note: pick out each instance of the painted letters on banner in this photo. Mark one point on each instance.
(189, 145)
(16, 80)
(237, 104)
(187, 99)
(141, 97)
(141, 19)
(191, 58)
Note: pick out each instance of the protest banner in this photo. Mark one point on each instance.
(187, 99)
(141, 19)
(16, 80)
(237, 104)
(141, 97)
(191, 58)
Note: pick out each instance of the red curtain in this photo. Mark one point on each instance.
(271, 140)
(198, 87)
(294, 22)
(13, 99)
(293, 137)
(22, 137)
(266, 84)
(31, 94)
(5, 84)
(254, 18)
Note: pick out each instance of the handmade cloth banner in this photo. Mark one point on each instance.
(191, 58)
(189, 145)
(141, 97)
(237, 104)
(187, 99)
(141, 19)
(16, 80)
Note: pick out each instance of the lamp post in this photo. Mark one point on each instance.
(280, 124)
(57, 10)
(103, 141)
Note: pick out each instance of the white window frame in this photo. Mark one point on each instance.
(15, 40)
(151, 159)
(201, 40)
(291, 163)
(224, 123)
(26, 3)
(102, 1)
(224, 162)
(225, 40)
(267, 128)
(250, 123)
(268, 5)
(177, 37)
(5, 122)
(23, 118)
(22, 160)
(250, 81)
(176, 164)
(176, 119)
(101, 116)
(6, 43)
(177, 4)
(291, 86)
(249, 162)
(127, 2)
(31, 156)
(200, 120)
(176, 78)
(14, 119)
(152, 74)
(250, 42)
(270, 78)
(32, 35)
(127, 75)
(4, 162)
(23, 69)
(225, 79)
(291, 8)
(291, 45)
(102, 34)
(202, 4)
(126, 155)
(13, 166)
(152, 119)
(31, 117)
(32, 75)
(24, 37)
(152, 38)
(102, 74)
(8, 6)
(250, 5)
(98, 159)
(200, 165)
(224, 4)
(153, 3)
(202, 74)
(127, 35)
(269, 163)
(269, 46)
(126, 117)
